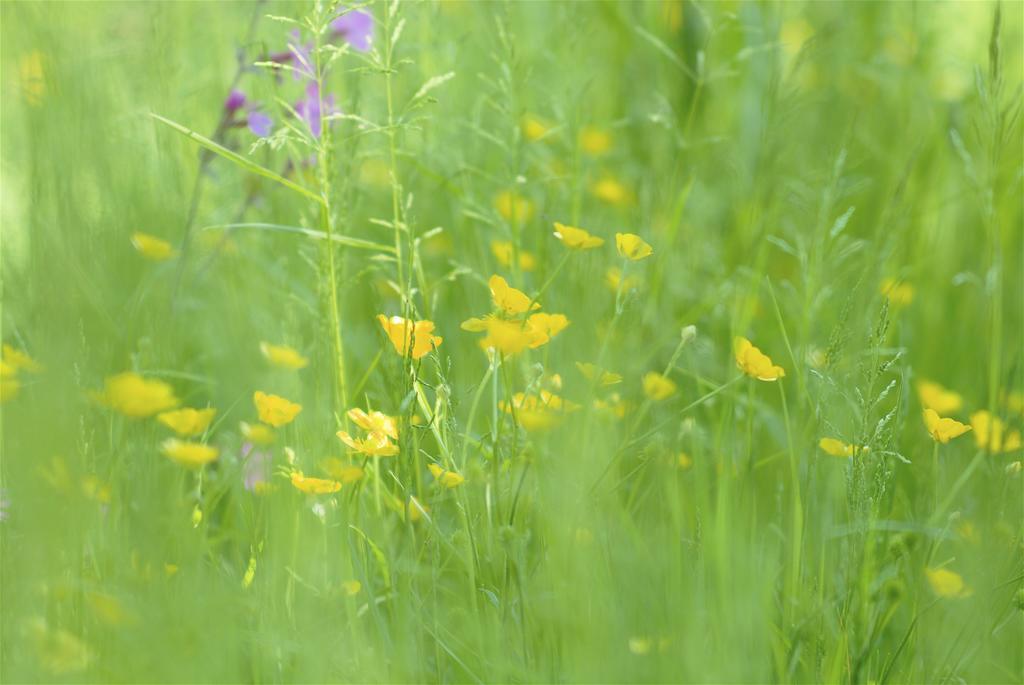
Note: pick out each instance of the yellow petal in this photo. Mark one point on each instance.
(632, 246)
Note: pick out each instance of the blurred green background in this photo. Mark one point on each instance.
(783, 159)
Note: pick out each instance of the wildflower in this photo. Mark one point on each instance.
(1014, 401)
(658, 387)
(508, 299)
(108, 609)
(190, 454)
(947, 584)
(234, 101)
(534, 128)
(503, 251)
(614, 405)
(255, 469)
(614, 280)
(755, 363)
(375, 422)
(151, 247)
(259, 123)
(257, 433)
(546, 326)
(405, 334)
(683, 461)
(900, 294)
(250, 573)
(351, 588)
(611, 191)
(538, 412)
(355, 27)
(934, 396)
(374, 445)
(597, 375)
(506, 337)
(16, 360)
(96, 490)
(341, 471)
(137, 397)
(942, 429)
(187, 422)
(595, 141)
(313, 108)
(632, 246)
(414, 510)
(314, 486)
(990, 433)
(576, 238)
(273, 410)
(283, 356)
(838, 448)
(448, 479)
(513, 207)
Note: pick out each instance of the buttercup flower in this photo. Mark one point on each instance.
(545, 326)
(943, 429)
(283, 356)
(683, 461)
(595, 141)
(375, 422)
(597, 375)
(632, 246)
(613, 279)
(990, 433)
(257, 433)
(538, 412)
(755, 363)
(190, 454)
(658, 387)
(614, 405)
(17, 360)
(274, 410)
(838, 448)
(405, 334)
(576, 238)
(351, 588)
(947, 584)
(187, 422)
(508, 299)
(934, 396)
(374, 445)
(506, 337)
(151, 247)
(137, 397)
(533, 127)
(341, 471)
(610, 190)
(513, 207)
(503, 251)
(314, 486)
(448, 479)
(900, 294)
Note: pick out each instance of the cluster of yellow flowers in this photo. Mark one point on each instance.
(12, 363)
(990, 432)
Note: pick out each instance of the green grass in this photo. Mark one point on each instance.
(782, 159)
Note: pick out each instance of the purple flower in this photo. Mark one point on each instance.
(309, 108)
(301, 53)
(234, 102)
(255, 467)
(259, 123)
(355, 27)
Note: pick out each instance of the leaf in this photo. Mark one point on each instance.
(238, 159)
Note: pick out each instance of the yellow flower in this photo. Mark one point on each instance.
(257, 433)
(151, 247)
(990, 433)
(640, 646)
(283, 356)
(15, 360)
(534, 128)
(190, 454)
(614, 405)
(755, 363)
(513, 207)
(900, 294)
(934, 396)
(132, 395)
(613, 279)
(341, 471)
(506, 337)
(375, 422)
(351, 588)
(506, 298)
(947, 584)
(273, 410)
(415, 510)
(943, 430)
(611, 191)
(632, 246)
(595, 141)
(9, 388)
(538, 413)
(374, 445)
(448, 479)
(684, 461)
(95, 489)
(405, 333)
(598, 376)
(658, 387)
(576, 238)
(838, 448)
(187, 422)
(314, 486)
(503, 251)
(546, 326)
(1014, 401)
